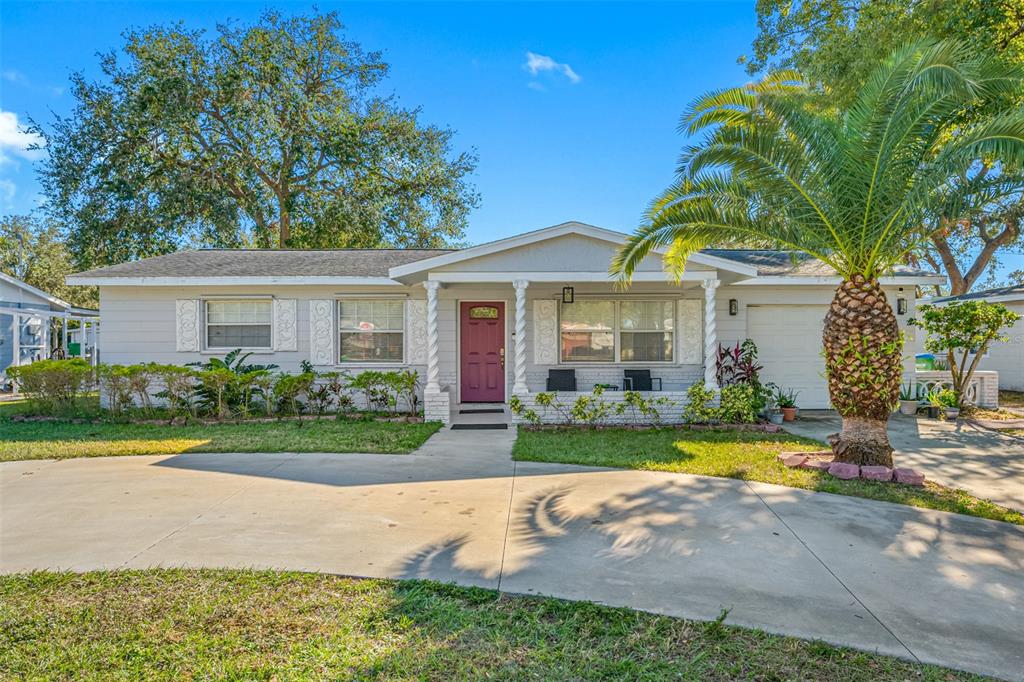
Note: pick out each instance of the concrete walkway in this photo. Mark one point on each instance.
(925, 585)
(958, 454)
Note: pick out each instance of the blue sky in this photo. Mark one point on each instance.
(591, 135)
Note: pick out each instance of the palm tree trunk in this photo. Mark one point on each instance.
(862, 361)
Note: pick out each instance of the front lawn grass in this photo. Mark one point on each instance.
(733, 454)
(66, 439)
(249, 625)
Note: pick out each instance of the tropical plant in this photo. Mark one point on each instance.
(214, 384)
(944, 397)
(234, 393)
(846, 185)
(909, 391)
(376, 389)
(961, 329)
(116, 387)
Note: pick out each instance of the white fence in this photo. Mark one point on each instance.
(983, 390)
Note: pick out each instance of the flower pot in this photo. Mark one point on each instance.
(933, 411)
(775, 417)
(951, 413)
(788, 414)
(908, 407)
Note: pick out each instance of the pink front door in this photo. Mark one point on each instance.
(482, 365)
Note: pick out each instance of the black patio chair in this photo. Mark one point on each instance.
(561, 380)
(640, 380)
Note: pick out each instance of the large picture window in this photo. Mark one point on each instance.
(372, 330)
(617, 331)
(239, 324)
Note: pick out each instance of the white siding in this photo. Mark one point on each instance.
(139, 323)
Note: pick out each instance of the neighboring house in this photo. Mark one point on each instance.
(25, 336)
(482, 323)
(1005, 357)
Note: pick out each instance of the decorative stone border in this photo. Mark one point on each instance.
(822, 461)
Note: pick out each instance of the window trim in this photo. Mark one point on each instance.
(207, 300)
(338, 331)
(617, 331)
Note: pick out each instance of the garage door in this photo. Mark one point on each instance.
(788, 339)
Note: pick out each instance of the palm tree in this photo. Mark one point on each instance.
(778, 168)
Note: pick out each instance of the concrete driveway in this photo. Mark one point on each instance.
(958, 454)
(924, 585)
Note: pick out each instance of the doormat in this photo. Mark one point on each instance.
(479, 427)
(484, 411)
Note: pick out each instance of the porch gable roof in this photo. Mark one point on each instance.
(421, 267)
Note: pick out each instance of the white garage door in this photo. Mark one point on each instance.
(788, 339)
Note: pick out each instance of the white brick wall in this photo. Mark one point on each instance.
(985, 385)
(671, 413)
(437, 407)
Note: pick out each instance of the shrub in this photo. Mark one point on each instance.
(642, 409)
(406, 385)
(377, 389)
(699, 408)
(738, 404)
(214, 385)
(233, 393)
(52, 385)
(591, 409)
(289, 387)
(115, 383)
(179, 388)
(516, 406)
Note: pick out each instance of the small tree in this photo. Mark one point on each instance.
(967, 328)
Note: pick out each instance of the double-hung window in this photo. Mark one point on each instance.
(372, 330)
(617, 331)
(645, 331)
(239, 324)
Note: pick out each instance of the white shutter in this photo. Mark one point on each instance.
(321, 332)
(285, 325)
(689, 333)
(416, 332)
(186, 325)
(545, 332)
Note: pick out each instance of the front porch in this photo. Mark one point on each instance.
(677, 342)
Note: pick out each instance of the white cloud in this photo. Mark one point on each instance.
(538, 63)
(13, 76)
(15, 140)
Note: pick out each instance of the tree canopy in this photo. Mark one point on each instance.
(34, 251)
(837, 44)
(270, 135)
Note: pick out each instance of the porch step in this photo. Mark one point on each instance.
(479, 427)
(483, 411)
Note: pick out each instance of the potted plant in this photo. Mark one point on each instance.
(950, 403)
(786, 401)
(909, 401)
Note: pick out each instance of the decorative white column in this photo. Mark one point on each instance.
(710, 333)
(519, 387)
(433, 362)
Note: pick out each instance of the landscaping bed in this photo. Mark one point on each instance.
(181, 624)
(734, 454)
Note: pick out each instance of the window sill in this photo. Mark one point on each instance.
(225, 351)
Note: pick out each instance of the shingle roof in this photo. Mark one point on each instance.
(267, 262)
(771, 263)
(378, 262)
(1015, 290)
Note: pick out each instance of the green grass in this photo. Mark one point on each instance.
(66, 439)
(263, 625)
(733, 454)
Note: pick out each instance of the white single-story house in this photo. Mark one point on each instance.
(484, 323)
(27, 316)
(1005, 357)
